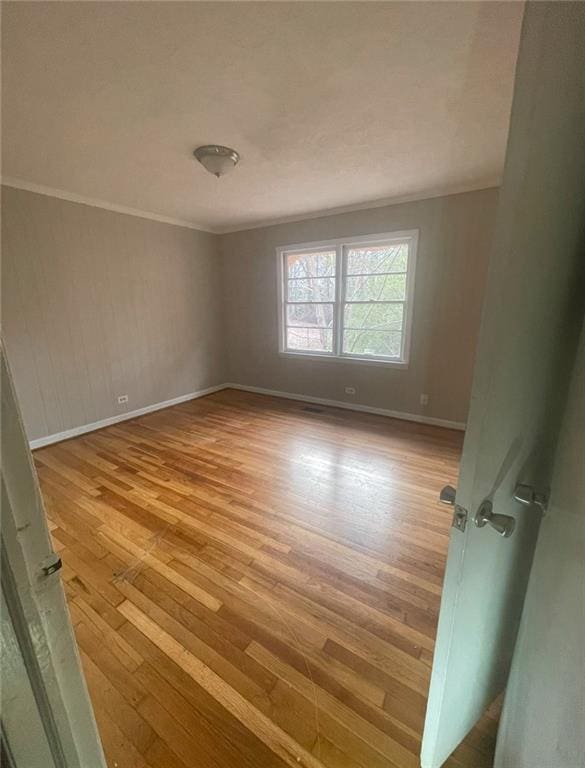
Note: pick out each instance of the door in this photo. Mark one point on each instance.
(47, 719)
(530, 325)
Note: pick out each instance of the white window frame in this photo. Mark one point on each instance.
(340, 246)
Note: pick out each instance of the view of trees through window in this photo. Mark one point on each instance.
(311, 293)
(368, 305)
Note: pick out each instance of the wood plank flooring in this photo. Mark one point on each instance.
(255, 582)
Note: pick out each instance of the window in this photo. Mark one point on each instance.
(348, 299)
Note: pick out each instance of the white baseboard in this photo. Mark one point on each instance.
(58, 436)
(352, 407)
(75, 431)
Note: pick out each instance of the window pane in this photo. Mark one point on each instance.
(309, 339)
(379, 258)
(376, 288)
(375, 343)
(312, 289)
(386, 317)
(318, 264)
(310, 315)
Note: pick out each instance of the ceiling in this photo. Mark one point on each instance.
(331, 105)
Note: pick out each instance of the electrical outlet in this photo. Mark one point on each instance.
(122, 399)
(350, 390)
(424, 399)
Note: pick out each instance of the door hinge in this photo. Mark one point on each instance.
(459, 518)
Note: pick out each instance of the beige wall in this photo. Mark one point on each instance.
(454, 245)
(97, 304)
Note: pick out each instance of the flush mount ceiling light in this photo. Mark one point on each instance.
(217, 160)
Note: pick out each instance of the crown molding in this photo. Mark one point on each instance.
(366, 206)
(72, 197)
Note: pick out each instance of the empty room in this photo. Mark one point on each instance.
(293, 384)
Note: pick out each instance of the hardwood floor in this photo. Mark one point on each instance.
(256, 582)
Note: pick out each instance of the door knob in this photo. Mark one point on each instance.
(447, 495)
(503, 524)
(529, 496)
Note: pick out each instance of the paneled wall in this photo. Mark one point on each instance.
(97, 304)
(454, 246)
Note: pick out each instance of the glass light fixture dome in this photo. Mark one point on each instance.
(216, 159)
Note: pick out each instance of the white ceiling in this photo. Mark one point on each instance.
(330, 105)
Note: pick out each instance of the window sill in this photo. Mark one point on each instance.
(346, 359)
